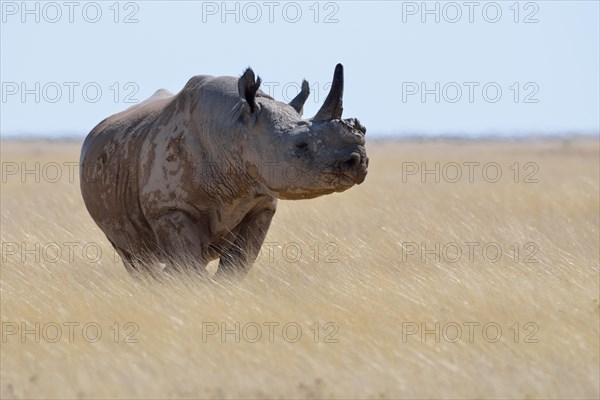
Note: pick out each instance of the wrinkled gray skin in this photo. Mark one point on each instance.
(196, 176)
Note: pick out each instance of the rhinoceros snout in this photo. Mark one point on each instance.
(355, 166)
(352, 163)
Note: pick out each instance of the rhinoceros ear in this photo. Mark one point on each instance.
(247, 87)
(300, 99)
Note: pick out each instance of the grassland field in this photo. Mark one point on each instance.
(458, 269)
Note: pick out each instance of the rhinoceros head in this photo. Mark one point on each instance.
(299, 158)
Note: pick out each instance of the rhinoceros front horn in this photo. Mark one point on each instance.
(300, 99)
(332, 108)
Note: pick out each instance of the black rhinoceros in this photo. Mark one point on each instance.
(196, 175)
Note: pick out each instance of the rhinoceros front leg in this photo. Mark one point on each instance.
(239, 257)
(181, 240)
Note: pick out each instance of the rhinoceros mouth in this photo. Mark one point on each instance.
(339, 181)
(306, 194)
(346, 180)
(331, 182)
(360, 176)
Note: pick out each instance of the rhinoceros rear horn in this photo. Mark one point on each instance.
(332, 107)
(248, 86)
(300, 99)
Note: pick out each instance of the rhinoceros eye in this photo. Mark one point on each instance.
(300, 149)
(301, 145)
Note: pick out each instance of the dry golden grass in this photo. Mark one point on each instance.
(373, 291)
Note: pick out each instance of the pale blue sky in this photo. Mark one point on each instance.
(387, 51)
